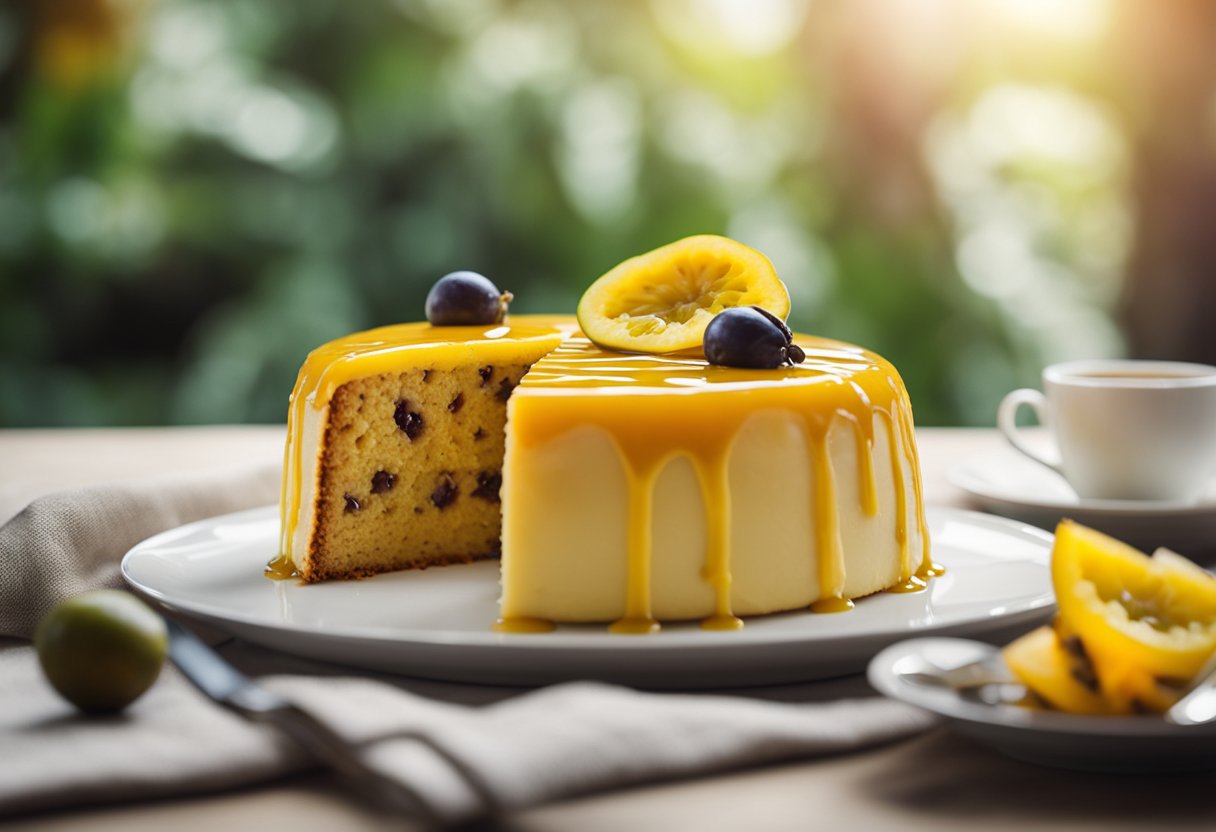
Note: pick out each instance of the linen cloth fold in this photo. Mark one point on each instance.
(466, 761)
(65, 543)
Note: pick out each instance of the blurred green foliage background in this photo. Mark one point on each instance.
(194, 194)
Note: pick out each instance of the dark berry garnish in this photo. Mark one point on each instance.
(748, 336)
(352, 505)
(489, 483)
(465, 298)
(409, 421)
(775, 321)
(455, 404)
(383, 481)
(445, 491)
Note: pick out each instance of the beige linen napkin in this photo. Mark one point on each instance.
(468, 761)
(529, 749)
(65, 543)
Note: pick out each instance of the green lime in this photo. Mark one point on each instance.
(101, 649)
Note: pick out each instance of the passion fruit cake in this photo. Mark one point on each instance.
(640, 482)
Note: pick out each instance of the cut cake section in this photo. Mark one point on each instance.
(395, 446)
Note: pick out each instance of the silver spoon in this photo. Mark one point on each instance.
(1199, 704)
(989, 680)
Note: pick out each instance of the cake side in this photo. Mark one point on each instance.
(721, 491)
(575, 487)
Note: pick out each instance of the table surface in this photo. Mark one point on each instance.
(937, 781)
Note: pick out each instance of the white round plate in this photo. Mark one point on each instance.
(1083, 743)
(436, 623)
(1004, 482)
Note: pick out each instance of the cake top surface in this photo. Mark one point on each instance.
(390, 348)
(655, 405)
(579, 366)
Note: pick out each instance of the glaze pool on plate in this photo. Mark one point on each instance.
(436, 623)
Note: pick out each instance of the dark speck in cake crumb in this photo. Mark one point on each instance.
(455, 404)
(352, 505)
(504, 389)
(485, 373)
(489, 483)
(383, 481)
(444, 493)
(426, 375)
(479, 435)
(408, 420)
(417, 509)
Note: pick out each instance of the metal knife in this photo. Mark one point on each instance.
(224, 684)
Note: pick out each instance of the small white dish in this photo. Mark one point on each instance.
(1083, 743)
(1004, 482)
(437, 623)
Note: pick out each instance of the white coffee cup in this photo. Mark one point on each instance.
(1124, 429)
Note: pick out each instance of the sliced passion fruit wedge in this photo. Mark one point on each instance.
(1060, 676)
(1147, 624)
(661, 301)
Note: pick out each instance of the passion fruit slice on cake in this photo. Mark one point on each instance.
(1147, 624)
(661, 301)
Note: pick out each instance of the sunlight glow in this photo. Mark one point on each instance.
(1069, 19)
(600, 153)
(752, 28)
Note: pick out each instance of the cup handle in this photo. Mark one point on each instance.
(1006, 420)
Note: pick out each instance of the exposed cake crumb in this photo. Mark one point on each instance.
(408, 493)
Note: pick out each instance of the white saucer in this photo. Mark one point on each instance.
(1004, 482)
(437, 623)
(1087, 743)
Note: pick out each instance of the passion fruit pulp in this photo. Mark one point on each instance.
(1134, 629)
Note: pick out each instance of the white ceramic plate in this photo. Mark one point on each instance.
(1087, 743)
(1005, 482)
(436, 623)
